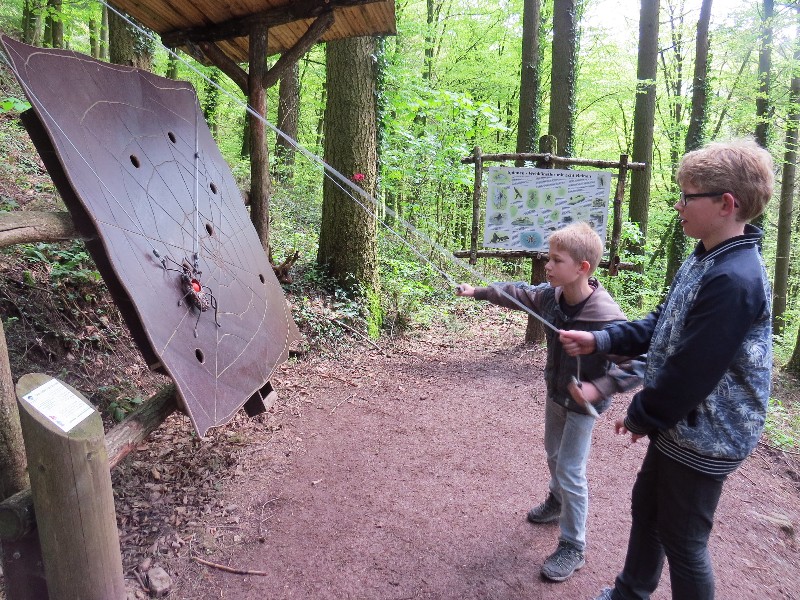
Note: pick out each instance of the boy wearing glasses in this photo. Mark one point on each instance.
(707, 381)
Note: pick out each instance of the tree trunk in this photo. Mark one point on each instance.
(793, 366)
(784, 242)
(13, 472)
(128, 46)
(528, 129)
(348, 235)
(763, 111)
(288, 118)
(172, 67)
(260, 182)
(94, 38)
(211, 100)
(644, 118)
(31, 17)
(694, 135)
(562, 87)
(763, 103)
(104, 41)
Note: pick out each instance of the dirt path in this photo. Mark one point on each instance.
(407, 474)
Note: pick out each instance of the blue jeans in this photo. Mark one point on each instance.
(567, 441)
(673, 511)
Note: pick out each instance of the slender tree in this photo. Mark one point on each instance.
(644, 116)
(94, 37)
(530, 78)
(348, 233)
(31, 20)
(211, 100)
(784, 245)
(694, 135)
(763, 109)
(763, 104)
(562, 86)
(54, 25)
(288, 119)
(172, 67)
(104, 41)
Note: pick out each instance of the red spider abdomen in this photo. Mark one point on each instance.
(196, 286)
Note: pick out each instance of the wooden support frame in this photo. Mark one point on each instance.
(201, 45)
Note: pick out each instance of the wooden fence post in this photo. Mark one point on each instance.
(616, 227)
(476, 206)
(71, 487)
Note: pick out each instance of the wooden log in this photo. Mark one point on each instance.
(123, 439)
(27, 227)
(71, 487)
(17, 517)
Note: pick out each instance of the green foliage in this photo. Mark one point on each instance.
(71, 264)
(16, 105)
(374, 314)
(782, 428)
(118, 401)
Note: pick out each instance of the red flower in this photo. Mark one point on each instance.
(358, 177)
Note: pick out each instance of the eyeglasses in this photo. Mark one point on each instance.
(686, 197)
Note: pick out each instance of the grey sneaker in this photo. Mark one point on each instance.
(547, 512)
(606, 594)
(562, 563)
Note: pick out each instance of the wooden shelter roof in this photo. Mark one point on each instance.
(182, 23)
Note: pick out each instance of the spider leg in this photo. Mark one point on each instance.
(197, 322)
(213, 302)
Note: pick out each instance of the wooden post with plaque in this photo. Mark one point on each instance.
(71, 488)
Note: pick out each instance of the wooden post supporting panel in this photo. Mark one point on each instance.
(71, 487)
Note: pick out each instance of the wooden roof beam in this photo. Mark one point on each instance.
(209, 52)
(240, 27)
(312, 35)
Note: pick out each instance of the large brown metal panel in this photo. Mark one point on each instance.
(136, 165)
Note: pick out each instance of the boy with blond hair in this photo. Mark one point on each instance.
(570, 299)
(709, 367)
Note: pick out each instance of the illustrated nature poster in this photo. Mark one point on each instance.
(525, 205)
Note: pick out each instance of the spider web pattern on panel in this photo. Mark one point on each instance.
(139, 170)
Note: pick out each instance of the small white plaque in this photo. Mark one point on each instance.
(54, 400)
